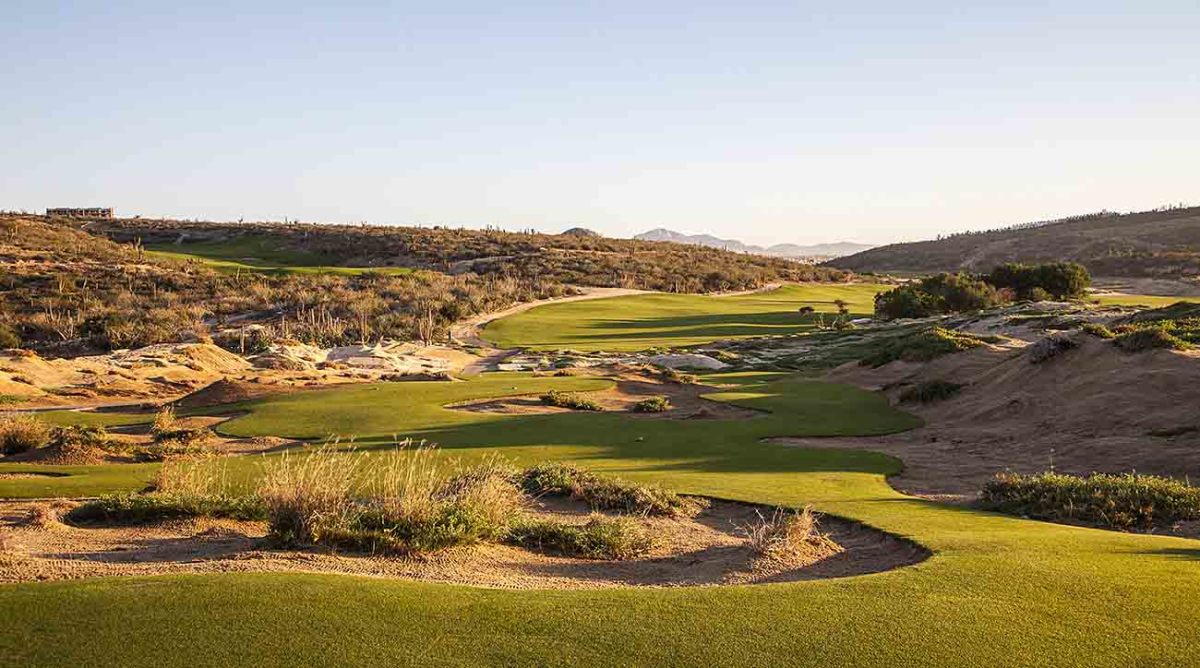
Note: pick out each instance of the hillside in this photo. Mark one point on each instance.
(578, 259)
(795, 251)
(1154, 244)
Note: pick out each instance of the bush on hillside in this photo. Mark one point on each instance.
(1097, 330)
(920, 346)
(1117, 501)
(1050, 346)
(1039, 282)
(1150, 338)
(930, 391)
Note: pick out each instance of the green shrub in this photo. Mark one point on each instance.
(652, 405)
(1055, 280)
(921, 346)
(22, 433)
(1097, 330)
(1117, 501)
(9, 337)
(943, 293)
(569, 400)
(604, 493)
(930, 391)
(155, 506)
(1150, 338)
(601, 538)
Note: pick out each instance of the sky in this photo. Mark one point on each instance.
(768, 122)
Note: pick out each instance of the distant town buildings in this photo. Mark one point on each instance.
(86, 212)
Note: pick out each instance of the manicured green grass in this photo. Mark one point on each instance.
(999, 591)
(69, 418)
(646, 321)
(1149, 301)
(253, 254)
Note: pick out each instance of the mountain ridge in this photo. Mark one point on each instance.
(835, 249)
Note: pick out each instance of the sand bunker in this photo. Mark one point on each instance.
(706, 550)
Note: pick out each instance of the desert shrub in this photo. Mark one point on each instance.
(943, 293)
(569, 400)
(405, 505)
(788, 535)
(669, 375)
(193, 488)
(9, 337)
(1050, 346)
(1149, 338)
(1055, 280)
(920, 346)
(605, 493)
(80, 444)
(601, 538)
(152, 507)
(1097, 330)
(930, 391)
(1117, 501)
(164, 420)
(652, 405)
(22, 433)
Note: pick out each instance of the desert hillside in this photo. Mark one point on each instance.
(1152, 244)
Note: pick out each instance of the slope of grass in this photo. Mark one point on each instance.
(230, 261)
(1147, 301)
(999, 591)
(647, 321)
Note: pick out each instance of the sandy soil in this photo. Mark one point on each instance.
(707, 550)
(686, 402)
(1093, 408)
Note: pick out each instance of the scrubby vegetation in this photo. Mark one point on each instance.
(920, 346)
(180, 490)
(558, 258)
(600, 538)
(1050, 346)
(604, 493)
(1117, 501)
(1149, 338)
(569, 400)
(652, 405)
(957, 293)
(930, 391)
(1097, 330)
(788, 535)
(21, 433)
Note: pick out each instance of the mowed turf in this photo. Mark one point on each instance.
(653, 320)
(999, 591)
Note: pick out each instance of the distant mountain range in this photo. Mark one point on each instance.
(778, 250)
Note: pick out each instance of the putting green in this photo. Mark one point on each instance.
(999, 591)
(654, 320)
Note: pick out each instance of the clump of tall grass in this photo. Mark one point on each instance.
(182, 488)
(80, 444)
(406, 504)
(1126, 501)
(921, 346)
(652, 405)
(569, 400)
(21, 433)
(1150, 338)
(600, 538)
(605, 493)
(788, 535)
(1098, 330)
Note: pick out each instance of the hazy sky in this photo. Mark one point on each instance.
(800, 122)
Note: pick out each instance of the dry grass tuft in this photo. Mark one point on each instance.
(789, 535)
(21, 433)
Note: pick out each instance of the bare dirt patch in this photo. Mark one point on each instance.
(1092, 409)
(705, 550)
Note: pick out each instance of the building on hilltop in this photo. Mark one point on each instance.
(86, 212)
